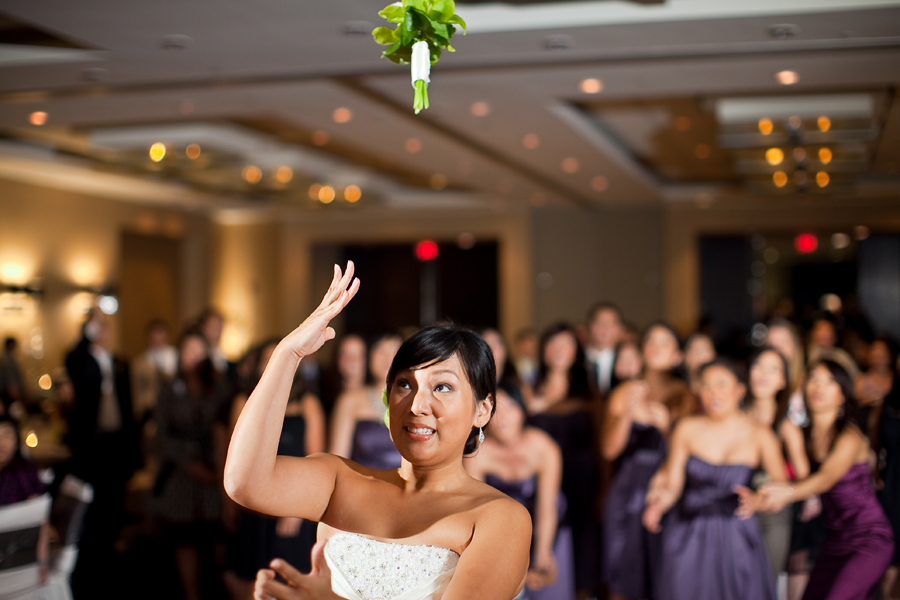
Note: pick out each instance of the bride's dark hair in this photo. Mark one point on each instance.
(436, 344)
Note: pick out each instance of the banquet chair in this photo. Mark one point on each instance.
(67, 518)
(20, 529)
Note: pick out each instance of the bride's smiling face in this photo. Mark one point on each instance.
(433, 409)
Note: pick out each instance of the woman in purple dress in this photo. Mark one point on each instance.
(860, 544)
(639, 414)
(708, 551)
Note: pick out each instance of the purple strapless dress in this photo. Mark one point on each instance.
(859, 546)
(631, 554)
(709, 553)
(523, 492)
(373, 446)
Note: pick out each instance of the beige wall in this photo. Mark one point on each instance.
(70, 242)
(684, 224)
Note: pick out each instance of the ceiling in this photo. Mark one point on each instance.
(512, 125)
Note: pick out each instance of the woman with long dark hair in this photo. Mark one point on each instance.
(563, 407)
(860, 544)
(767, 404)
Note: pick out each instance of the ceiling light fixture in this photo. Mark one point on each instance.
(787, 77)
(326, 194)
(591, 86)
(824, 123)
(192, 151)
(531, 141)
(825, 155)
(799, 154)
(822, 178)
(780, 179)
(38, 118)
(252, 174)
(157, 151)
(480, 109)
(284, 174)
(774, 156)
(314, 191)
(352, 193)
(765, 126)
(342, 115)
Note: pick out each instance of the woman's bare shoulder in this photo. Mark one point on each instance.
(494, 506)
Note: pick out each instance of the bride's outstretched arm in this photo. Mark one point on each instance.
(254, 476)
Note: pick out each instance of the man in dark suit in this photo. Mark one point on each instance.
(605, 330)
(104, 442)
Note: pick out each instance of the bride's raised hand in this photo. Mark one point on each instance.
(314, 331)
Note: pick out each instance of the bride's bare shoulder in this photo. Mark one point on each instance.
(493, 505)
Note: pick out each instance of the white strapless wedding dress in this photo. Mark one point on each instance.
(364, 569)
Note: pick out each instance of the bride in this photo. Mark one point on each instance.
(426, 531)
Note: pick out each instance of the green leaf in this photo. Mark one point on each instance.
(457, 20)
(418, 4)
(385, 36)
(393, 12)
(408, 29)
(443, 10)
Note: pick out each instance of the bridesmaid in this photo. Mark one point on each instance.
(358, 431)
(708, 551)
(639, 414)
(563, 407)
(767, 404)
(860, 544)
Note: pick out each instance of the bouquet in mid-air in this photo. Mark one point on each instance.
(423, 30)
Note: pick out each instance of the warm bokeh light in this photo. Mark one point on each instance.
(787, 77)
(352, 193)
(860, 232)
(591, 86)
(14, 273)
(774, 156)
(413, 145)
(426, 250)
(822, 178)
(839, 241)
(85, 272)
(252, 174)
(799, 154)
(192, 151)
(825, 155)
(320, 137)
(38, 118)
(31, 440)
(480, 109)
(806, 243)
(599, 183)
(682, 123)
(326, 194)
(342, 115)
(108, 304)
(45, 383)
(800, 177)
(531, 141)
(157, 151)
(795, 122)
(314, 191)
(779, 178)
(570, 165)
(702, 151)
(765, 126)
(824, 123)
(438, 181)
(284, 174)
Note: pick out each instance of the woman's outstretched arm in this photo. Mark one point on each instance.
(255, 476)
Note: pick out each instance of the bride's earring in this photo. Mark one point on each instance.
(480, 435)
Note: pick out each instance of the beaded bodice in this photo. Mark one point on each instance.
(366, 569)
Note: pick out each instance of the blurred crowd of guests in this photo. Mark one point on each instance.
(624, 445)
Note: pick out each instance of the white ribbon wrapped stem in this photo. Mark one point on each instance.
(420, 66)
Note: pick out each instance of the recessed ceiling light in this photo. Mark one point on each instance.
(413, 145)
(352, 193)
(591, 86)
(38, 118)
(570, 165)
(787, 77)
(326, 194)
(799, 154)
(252, 174)
(320, 137)
(824, 123)
(599, 183)
(822, 178)
(192, 151)
(531, 141)
(342, 115)
(765, 126)
(825, 155)
(157, 151)
(795, 122)
(480, 109)
(314, 191)
(284, 174)
(774, 156)
(779, 178)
